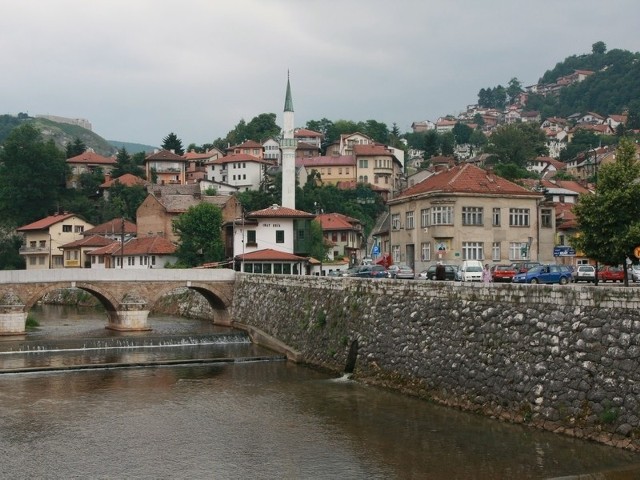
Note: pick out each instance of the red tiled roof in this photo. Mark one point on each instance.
(465, 178)
(45, 223)
(128, 180)
(247, 144)
(303, 132)
(239, 157)
(369, 149)
(113, 227)
(280, 212)
(269, 254)
(166, 155)
(139, 246)
(199, 156)
(91, 241)
(90, 157)
(335, 221)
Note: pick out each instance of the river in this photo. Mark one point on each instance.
(226, 409)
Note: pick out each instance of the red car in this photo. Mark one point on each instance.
(502, 273)
(611, 274)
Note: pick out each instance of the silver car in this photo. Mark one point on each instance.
(584, 273)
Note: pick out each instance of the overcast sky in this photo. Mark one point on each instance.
(140, 69)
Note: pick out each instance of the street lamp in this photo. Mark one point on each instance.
(595, 175)
(122, 243)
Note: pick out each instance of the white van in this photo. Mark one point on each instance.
(471, 271)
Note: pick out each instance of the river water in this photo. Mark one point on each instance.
(225, 409)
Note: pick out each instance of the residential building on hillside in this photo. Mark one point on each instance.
(243, 171)
(305, 150)
(219, 187)
(166, 167)
(88, 162)
(138, 253)
(43, 239)
(247, 148)
(196, 164)
(332, 169)
(377, 165)
(310, 137)
(155, 215)
(344, 234)
(344, 146)
(422, 126)
(466, 213)
(545, 165)
(76, 254)
(272, 151)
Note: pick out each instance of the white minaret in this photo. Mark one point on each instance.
(288, 147)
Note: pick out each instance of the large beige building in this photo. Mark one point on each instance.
(467, 213)
(44, 238)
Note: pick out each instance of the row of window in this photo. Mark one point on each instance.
(251, 237)
(328, 170)
(73, 228)
(269, 268)
(378, 162)
(470, 251)
(471, 216)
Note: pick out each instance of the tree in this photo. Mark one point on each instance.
(431, 144)
(127, 164)
(514, 89)
(447, 144)
(462, 133)
(599, 48)
(517, 143)
(262, 127)
(172, 143)
(77, 147)
(317, 247)
(10, 244)
(200, 232)
(32, 176)
(609, 220)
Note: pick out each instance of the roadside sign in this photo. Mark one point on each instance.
(564, 251)
(375, 250)
(636, 251)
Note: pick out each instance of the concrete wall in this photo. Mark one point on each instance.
(562, 358)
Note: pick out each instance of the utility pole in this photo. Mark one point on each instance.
(122, 243)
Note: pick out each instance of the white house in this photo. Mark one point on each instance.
(139, 253)
(242, 171)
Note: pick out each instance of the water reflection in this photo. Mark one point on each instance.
(260, 420)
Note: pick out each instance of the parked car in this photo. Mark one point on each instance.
(635, 273)
(544, 274)
(521, 267)
(502, 273)
(371, 271)
(610, 274)
(430, 272)
(405, 272)
(471, 271)
(584, 273)
(393, 269)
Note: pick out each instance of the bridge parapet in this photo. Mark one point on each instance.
(127, 295)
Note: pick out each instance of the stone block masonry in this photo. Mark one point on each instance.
(561, 358)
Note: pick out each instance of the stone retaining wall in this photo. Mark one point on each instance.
(562, 358)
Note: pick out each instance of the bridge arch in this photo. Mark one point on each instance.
(104, 297)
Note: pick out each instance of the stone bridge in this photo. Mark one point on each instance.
(127, 295)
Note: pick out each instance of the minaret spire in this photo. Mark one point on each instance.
(288, 148)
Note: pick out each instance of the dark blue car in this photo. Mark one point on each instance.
(545, 274)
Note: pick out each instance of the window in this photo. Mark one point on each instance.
(78, 229)
(409, 224)
(425, 252)
(251, 238)
(546, 218)
(41, 260)
(424, 218)
(496, 217)
(131, 261)
(518, 250)
(472, 216)
(495, 251)
(32, 244)
(300, 234)
(343, 236)
(363, 163)
(519, 217)
(66, 228)
(153, 260)
(395, 221)
(472, 251)
(279, 236)
(32, 260)
(441, 215)
(43, 243)
(395, 253)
